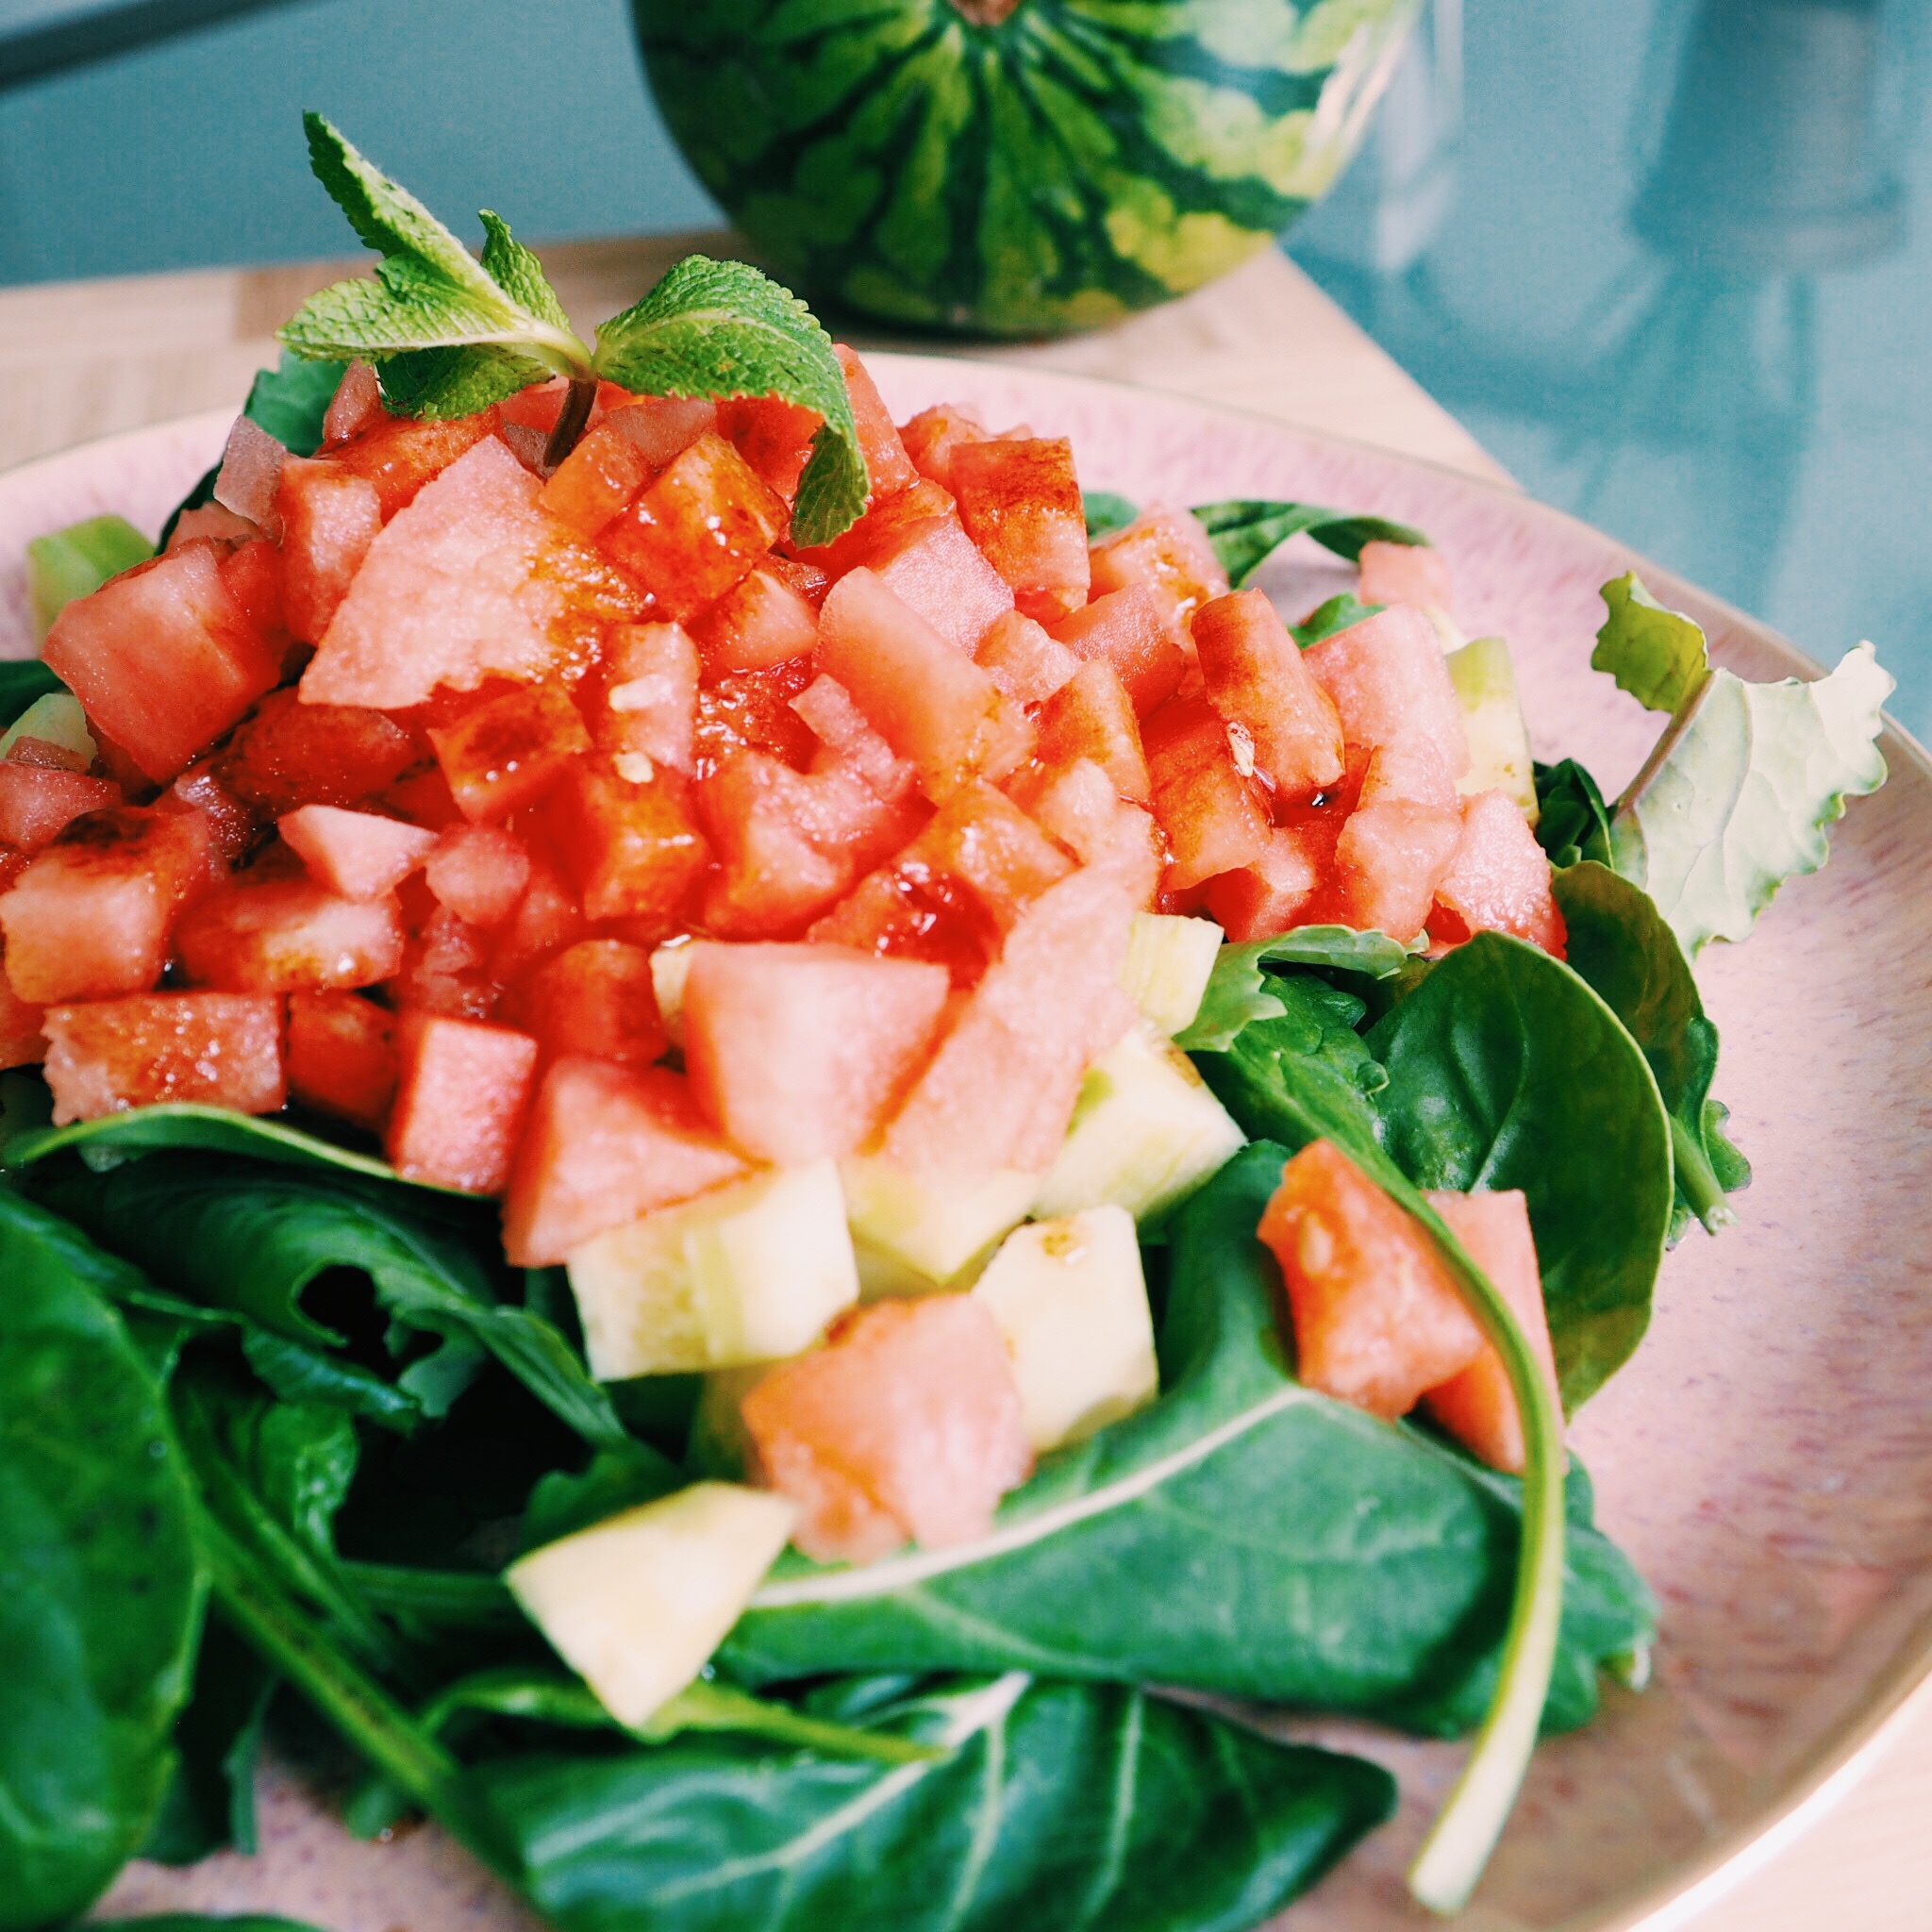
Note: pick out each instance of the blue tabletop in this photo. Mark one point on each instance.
(1668, 262)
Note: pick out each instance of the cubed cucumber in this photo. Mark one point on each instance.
(76, 561)
(670, 969)
(1499, 755)
(916, 1237)
(1147, 1133)
(637, 1604)
(54, 719)
(748, 1273)
(1072, 1303)
(1169, 960)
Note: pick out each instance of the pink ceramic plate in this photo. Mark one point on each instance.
(1766, 1458)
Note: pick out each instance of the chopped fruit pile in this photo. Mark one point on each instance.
(440, 794)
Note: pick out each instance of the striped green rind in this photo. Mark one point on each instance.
(1079, 160)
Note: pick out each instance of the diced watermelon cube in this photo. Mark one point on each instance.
(462, 1090)
(1024, 659)
(1498, 880)
(342, 1057)
(251, 466)
(90, 916)
(507, 753)
(932, 436)
(537, 406)
(772, 436)
(840, 727)
(932, 566)
(1389, 862)
(358, 854)
(888, 468)
(929, 702)
(547, 919)
(1020, 503)
(604, 1145)
(38, 802)
(210, 523)
(479, 872)
(1410, 769)
(1091, 716)
(215, 1048)
(164, 658)
(650, 695)
(256, 933)
(597, 999)
(906, 1423)
(252, 574)
(401, 455)
(1208, 809)
(897, 916)
(291, 754)
(1389, 681)
(1404, 574)
(915, 504)
(356, 406)
(752, 711)
(1078, 804)
(329, 517)
(982, 841)
(21, 1041)
(797, 1052)
(449, 968)
(1268, 897)
(232, 827)
(1138, 630)
(1376, 1317)
(596, 481)
(760, 621)
(635, 851)
(1255, 678)
(1166, 548)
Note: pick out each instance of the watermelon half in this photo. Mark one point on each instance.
(1016, 167)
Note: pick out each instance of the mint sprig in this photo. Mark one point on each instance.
(451, 333)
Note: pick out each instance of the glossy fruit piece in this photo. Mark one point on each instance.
(548, 917)
(1001, 1089)
(254, 576)
(1079, 805)
(1410, 769)
(39, 802)
(358, 854)
(21, 1041)
(1376, 1317)
(907, 1423)
(448, 967)
(1255, 678)
(356, 406)
(210, 523)
(342, 1057)
(1388, 681)
(462, 1090)
(932, 436)
(933, 567)
(232, 827)
(760, 621)
(634, 851)
(981, 841)
(290, 754)
(1498, 880)
(1020, 503)
(1091, 716)
(888, 468)
(650, 695)
(1389, 862)
(329, 517)
(661, 429)
(840, 727)
(798, 1052)
(1167, 549)
(606, 1145)
(164, 658)
(595, 480)
(916, 503)
(1404, 574)
(254, 934)
(214, 1048)
(1213, 821)
(90, 916)
(698, 529)
(506, 753)
(1024, 659)
(1271, 895)
(772, 435)
(479, 872)
(929, 702)
(400, 455)
(752, 711)
(473, 579)
(1477, 1406)
(597, 999)
(1138, 630)
(900, 917)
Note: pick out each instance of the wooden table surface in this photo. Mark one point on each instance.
(83, 359)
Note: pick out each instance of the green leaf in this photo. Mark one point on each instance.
(1053, 1806)
(100, 1589)
(1619, 943)
(1107, 512)
(1572, 821)
(195, 1921)
(290, 401)
(1737, 794)
(617, 1479)
(72, 563)
(723, 328)
(1337, 613)
(1373, 1567)
(1246, 532)
(1655, 655)
(1507, 1070)
(1239, 990)
(23, 680)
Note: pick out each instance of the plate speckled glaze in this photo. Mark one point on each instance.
(1766, 1459)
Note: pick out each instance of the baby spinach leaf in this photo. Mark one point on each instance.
(621, 1478)
(100, 1591)
(1337, 613)
(1573, 820)
(1055, 1807)
(1507, 1070)
(1657, 655)
(1308, 1553)
(194, 1921)
(1246, 533)
(1620, 944)
(1107, 512)
(1239, 990)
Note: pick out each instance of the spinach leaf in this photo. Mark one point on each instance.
(1507, 1070)
(100, 1591)
(617, 1479)
(1308, 1553)
(1107, 512)
(1246, 533)
(1239, 990)
(1620, 944)
(254, 1238)
(1337, 613)
(1056, 1806)
(194, 1921)
(1573, 820)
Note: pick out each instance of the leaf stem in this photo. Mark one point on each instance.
(1699, 1181)
(571, 419)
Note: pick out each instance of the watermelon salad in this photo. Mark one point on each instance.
(716, 1190)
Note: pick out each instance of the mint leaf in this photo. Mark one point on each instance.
(1337, 613)
(1246, 532)
(723, 328)
(1655, 655)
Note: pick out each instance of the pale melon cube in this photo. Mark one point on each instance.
(1145, 1135)
(1169, 961)
(1071, 1304)
(916, 1234)
(636, 1605)
(1499, 756)
(54, 719)
(748, 1272)
(670, 969)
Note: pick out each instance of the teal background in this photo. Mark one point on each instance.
(1696, 311)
